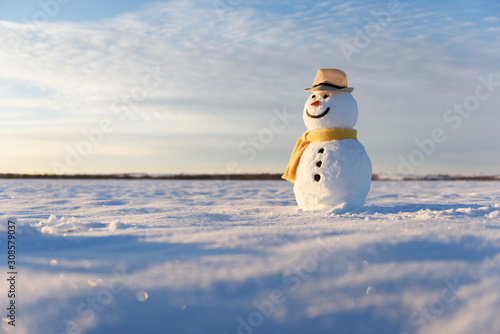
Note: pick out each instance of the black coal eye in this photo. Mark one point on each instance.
(312, 97)
(325, 96)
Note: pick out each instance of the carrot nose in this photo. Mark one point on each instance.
(315, 103)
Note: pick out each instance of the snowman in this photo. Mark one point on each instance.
(329, 166)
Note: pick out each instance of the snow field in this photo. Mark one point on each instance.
(152, 256)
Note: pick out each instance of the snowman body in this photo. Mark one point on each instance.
(333, 173)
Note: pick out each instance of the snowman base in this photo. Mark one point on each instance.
(333, 175)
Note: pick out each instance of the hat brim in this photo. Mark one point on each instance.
(329, 89)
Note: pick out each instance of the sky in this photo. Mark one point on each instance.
(216, 86)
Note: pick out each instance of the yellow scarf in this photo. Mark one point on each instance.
(313, 136)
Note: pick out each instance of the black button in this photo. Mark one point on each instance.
(319, 163)
(317, 177)
(321, 150)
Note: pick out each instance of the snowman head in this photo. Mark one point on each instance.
(330, 109)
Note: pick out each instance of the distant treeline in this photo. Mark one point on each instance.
(439, 177)
(268, 176)
(145, 176)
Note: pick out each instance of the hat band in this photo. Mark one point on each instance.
(328, 84)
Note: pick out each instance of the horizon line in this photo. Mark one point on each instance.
(239, 176)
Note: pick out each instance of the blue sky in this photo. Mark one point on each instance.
(217, 86)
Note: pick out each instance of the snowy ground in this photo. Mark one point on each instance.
(238, 257)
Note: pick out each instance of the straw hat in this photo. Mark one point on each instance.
(330, 79)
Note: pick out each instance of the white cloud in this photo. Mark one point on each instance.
(491, 19)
